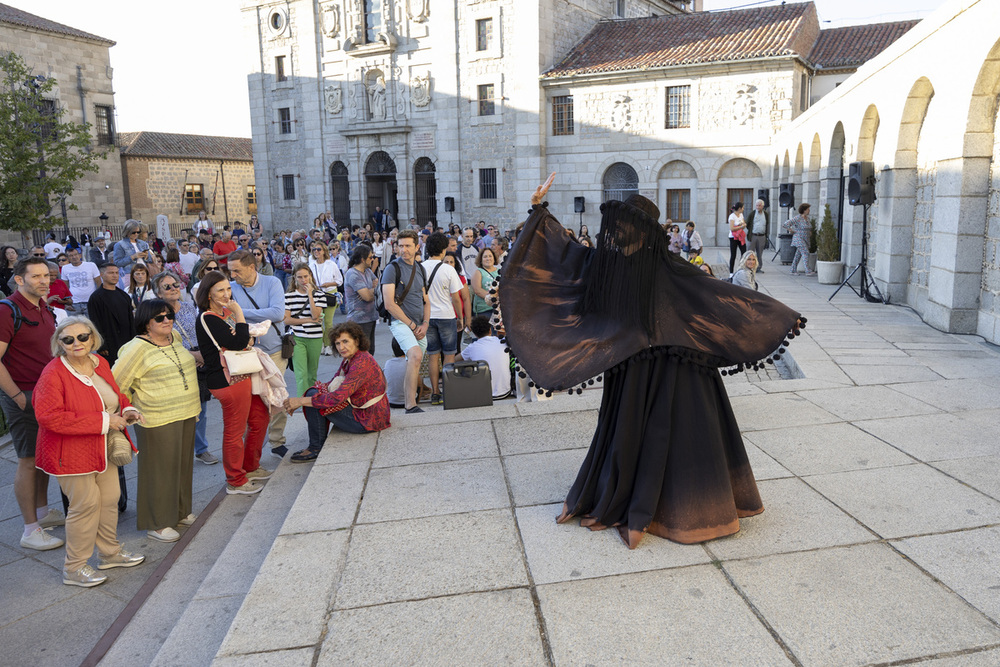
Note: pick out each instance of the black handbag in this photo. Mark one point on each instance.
(467, 384)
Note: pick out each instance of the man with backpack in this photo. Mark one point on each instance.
(27, 325)
(404, 295)
(448, 316)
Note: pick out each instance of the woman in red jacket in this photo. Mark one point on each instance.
(77, 402)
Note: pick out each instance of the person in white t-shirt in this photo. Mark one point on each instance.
(82, 278)
(488, 348)
(468, 252)
(52, 247)
(188, 256)
(448, 315)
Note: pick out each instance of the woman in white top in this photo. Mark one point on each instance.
(736, 225)
(378, 249)
(328, 279)
(304, 314)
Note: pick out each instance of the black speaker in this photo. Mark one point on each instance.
(578, 205)
(449, 204)
(786, 195)
(861, 183)
(765, 197)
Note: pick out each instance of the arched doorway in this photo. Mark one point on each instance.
(620, 182)
(380, 184)
(341, 191)
(425, 191)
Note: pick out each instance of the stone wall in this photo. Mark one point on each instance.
(58, 56)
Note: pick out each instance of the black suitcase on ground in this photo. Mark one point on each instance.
(467, 384)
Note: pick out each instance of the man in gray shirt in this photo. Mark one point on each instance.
(757, 224)
(409, 308)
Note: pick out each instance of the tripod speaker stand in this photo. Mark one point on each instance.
(867, 280)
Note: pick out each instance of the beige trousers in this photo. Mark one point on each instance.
(93, 515)
(276, 429)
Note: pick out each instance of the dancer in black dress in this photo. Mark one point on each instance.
(667, 456)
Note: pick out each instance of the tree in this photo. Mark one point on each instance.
(829, 246)
(41, 155)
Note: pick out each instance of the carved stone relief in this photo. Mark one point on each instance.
(334, 98)
(376, 95)
(420, 90)
(418, 10)
(621, 112)
(745, 105)
(331, 19)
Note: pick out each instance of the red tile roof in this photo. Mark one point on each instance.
(184, 146)
(22, 18)
(851, 46)
(686, 39)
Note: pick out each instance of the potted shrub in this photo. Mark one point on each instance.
(829, 266)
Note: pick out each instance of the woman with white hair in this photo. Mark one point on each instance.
(131, 250)
(746, 271)
(78, 405)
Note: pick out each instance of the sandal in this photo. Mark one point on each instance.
(305, 456)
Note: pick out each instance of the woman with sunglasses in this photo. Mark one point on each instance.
(263, 266)
(328, 279)
(167, 286)
(159, 375)
(78, 402)
(209, 266)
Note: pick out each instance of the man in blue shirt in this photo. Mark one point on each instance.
(262, 300)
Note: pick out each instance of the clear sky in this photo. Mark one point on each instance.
(181, 66)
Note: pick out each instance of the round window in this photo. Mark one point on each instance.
(277, 21)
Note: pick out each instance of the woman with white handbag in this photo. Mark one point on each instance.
(226, 346)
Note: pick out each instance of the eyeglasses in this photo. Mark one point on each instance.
(258, 254)
(38, 254)
(212, 268)
(68, 340)
(317, 250)
(169, 286)
(163, 316)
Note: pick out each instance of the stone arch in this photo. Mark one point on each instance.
(811, 181)
(740, 168)
(677, 190)
(340, 188)
(677, 169)
(620, 181)
(738, 180)
(786, 169)
(868, 133)
(835, 175)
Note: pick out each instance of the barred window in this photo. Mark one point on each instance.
(484, 34)
(288, 187)
(105, 125)
(562, 115)
(285, 120)
(678, 106)
(488, 183)
(620, 182)
(194, 197)
(679, 205)
(487, 107)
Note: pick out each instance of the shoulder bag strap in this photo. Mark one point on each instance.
(273, 325)
(204, 325)
(409, 283)
(431, 280)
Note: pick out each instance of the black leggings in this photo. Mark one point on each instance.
(733, 245)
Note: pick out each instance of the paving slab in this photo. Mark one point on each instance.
(430, 444)
(955, 395)
(433, 414)
(566, 552)
(907, 500)
(871, 373)
(441, 555)
(776, 410)
(856, 403)
(937, 437)
(974, 659)
(347, 448)
(858, 605)
(302, 657)
(963, 367)
(966, 561)
(299, 574)
(328, 500)
(539, 433)
(810, 450)
(979, 472)
(408, 492)
(29, 585)
(492, 628)
(545, 477)
(686, 616)
(201, 620)
(590, 399)
(795, 518)
(762, 464)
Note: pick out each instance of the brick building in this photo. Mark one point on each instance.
(80, 63)
(180, 175)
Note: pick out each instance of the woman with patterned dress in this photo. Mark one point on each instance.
(801, 227)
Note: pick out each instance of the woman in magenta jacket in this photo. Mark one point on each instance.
(77, 403)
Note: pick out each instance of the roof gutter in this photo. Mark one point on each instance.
(616, 76)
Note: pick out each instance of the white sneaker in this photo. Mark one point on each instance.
(40, 540)
(188, 520)
(167, 534)
(52, 519)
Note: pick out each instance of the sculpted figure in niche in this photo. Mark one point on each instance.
(419, 10)
(420, 90)
(331, 19)
(376, 98)
(334, 99)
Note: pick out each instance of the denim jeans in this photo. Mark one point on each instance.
(319, 424)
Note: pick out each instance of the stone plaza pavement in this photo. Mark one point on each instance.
(435, 542)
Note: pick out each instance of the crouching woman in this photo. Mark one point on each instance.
(353, 401)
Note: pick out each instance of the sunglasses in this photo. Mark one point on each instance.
(317, 250)
(169, 286)
(212, 268)
(68, 340)
(258, 254)
(38, 254)
(163, 316)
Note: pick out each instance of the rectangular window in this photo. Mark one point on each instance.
(279, 69)
(105, 125)
(678, 106)
(486, 103)
(373, 20)
(803, 92)
(679, 205)
(562, 115)
(484, 34)
(285, 120)
(252, 199)
(194, 198)
(619, 9)
(488, 183)
(48, 112)
(288, 187)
